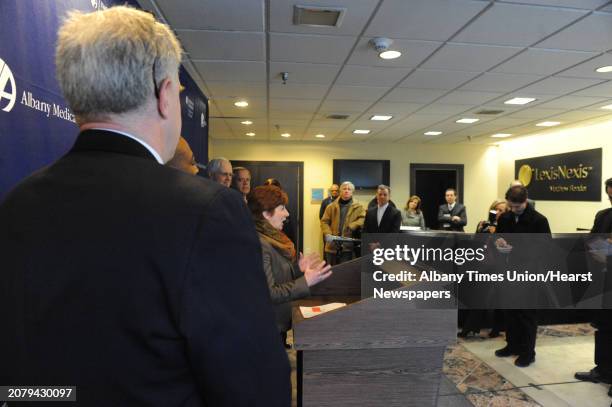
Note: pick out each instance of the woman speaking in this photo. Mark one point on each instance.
(289, 278)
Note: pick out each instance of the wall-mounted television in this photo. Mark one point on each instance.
(365, 174)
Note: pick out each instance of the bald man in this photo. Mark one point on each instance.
(183, 159)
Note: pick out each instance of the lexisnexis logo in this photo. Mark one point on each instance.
(8, 91)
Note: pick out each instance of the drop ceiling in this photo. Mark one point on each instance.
(458, 57)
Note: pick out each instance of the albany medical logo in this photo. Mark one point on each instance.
(8, 91)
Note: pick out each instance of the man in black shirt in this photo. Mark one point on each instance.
(334, 191)
(602, 372)
(522, 324)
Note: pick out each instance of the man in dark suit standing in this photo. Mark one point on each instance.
(383, 218)
(119, 274)
(334, 191)
(602, 372)
(452, 215)
(522, 324)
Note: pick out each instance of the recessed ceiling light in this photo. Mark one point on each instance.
(246, 122)
(433, 133)
(519, 101)
(381, 117)
(501, 135)
(286, 135)
(251, 134)
(241, 103)
(320, 135)
(604, 69)
(361, 131)
(467, 120)
(390, 54)
(548, 124)
(606, 107)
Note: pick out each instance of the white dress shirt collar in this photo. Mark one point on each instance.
(144, 144)
(380, 212)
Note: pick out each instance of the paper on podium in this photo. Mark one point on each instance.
(309, 312)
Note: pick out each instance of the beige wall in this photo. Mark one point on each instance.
(562, 216)
(480, 176)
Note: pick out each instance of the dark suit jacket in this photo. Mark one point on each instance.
(530, 221)
(603, 221)
(390, 222)
(324, 204)
(137, 283)
(458, 210)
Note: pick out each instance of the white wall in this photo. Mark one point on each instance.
(562, 216)
(480, 174)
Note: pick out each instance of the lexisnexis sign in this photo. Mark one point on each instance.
(562, 177)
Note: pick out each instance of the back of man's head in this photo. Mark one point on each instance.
(516, 194)
(112, 62)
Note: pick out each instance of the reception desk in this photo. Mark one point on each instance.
(373, 352)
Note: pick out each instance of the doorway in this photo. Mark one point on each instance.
(429, 182)
(290, 176)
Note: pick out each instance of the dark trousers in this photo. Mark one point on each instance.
(603, 340)
(521, 330)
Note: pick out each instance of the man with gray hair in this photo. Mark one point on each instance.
(343, 217)
(220, 171)
(119, 274)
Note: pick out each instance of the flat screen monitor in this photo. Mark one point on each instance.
(365, 174)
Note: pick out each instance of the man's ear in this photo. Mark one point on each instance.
(163, 102)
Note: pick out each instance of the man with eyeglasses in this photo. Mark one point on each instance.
(220, 171)
(119, 274)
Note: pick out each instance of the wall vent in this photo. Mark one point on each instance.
(337, 116)
(489, 111)
(314, 16)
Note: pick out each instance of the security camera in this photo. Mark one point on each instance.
(284, 77)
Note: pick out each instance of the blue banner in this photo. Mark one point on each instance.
(36, 124)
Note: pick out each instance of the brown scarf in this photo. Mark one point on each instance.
(276, 238)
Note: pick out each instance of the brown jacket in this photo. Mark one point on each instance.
(330, 222)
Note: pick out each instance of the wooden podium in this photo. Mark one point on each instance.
(373, 352)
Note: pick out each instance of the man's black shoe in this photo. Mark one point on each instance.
(524, 360)
(504, 352)
(594, 375)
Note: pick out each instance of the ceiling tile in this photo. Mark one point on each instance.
(469, 57)
(230, 70)
(422, 96)
(518, 25)
(443, 110)
(422, 19)
(357, 92)
(304, 73)
(303, 91)
(256, 108)
(603, 90)
(587, 69)
(413, 53)
(236, 89)
(593, 33)
(334, 124)
(571, 102)
(468, 97)
(498, 82)
(357, 14)
(243, 15)
(357, 75)
(437, 79)
(535, 113)
(396, 109)
(291, 104)
(558, 85)
(543, 61)
(322, 49)
(579, 115)
(345, 106)
(248, 46)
